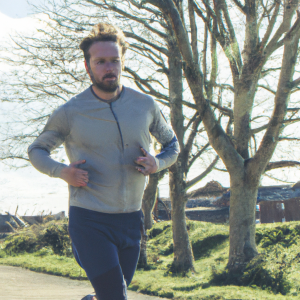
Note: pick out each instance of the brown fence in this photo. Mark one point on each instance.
(280, 211)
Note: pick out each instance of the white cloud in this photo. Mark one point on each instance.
(10, 25)
(31, 191)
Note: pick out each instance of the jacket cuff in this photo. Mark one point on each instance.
(58, 170)
(158, 164)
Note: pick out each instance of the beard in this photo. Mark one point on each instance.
(108, 87)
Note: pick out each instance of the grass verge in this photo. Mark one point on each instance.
(50, 264)
(277, 269)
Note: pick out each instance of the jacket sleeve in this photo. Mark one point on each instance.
(167, 138)
(53, 135)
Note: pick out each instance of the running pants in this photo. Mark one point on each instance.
(107, 247)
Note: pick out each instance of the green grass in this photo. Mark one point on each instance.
(277, 269)
(50, 264)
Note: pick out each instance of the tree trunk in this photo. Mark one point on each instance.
(243, 198)
(148, 202)
(183, 254)
(143, 262)
(150, 195)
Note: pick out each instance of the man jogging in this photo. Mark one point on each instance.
(106, 133)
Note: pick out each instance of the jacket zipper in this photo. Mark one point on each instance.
(122, 169)
(110, 105)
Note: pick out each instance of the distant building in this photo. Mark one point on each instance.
(211, 204)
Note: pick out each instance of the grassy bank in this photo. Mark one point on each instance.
(274, 274)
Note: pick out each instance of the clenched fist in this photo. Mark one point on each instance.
(147, 163)
(75, 176)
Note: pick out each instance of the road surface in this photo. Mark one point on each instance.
(21, 284)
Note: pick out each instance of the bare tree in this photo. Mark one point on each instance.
(173, 42)
(54, 71)
(159, 46)
(268, 29)
(181, 21)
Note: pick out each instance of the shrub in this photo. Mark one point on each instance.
(284, 235)
(57, 237)
(260, 271)
(53, 235)
(16, 244)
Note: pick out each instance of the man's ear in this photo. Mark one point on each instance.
(123, 63)
(86, 67)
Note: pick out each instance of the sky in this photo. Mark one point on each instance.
(17, 9)
(25, 188)
(32, 191)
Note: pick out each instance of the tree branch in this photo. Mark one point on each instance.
(14, 157)
(192, 182)
(146, 83)
(281, 164)
(268, 144)
(191, 121)
(288, 139)
(277, 179)
(267, 88)
(192, 135)
(295, 83)
(214, 64)
(288, 122)
(284, 27)
(156, 13)
(198, 154)
(144, 41)
(227, 111)
(194, 37)
(233, 41)
(221, 170)
(270, 26)
(129, 16)
(217, 137)
(240, 6)
(151, 91)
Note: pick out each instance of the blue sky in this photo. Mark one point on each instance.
(32, 191)
(17, 8)
(27, 187)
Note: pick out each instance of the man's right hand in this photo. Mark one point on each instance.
(75, 176)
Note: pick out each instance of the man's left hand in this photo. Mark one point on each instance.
(147, 163)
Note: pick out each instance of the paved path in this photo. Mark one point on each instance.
(21, 284)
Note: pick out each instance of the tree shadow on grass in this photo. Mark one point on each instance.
(203, 248)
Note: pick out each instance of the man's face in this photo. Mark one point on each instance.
(105, 66)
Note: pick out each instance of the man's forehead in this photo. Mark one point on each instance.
(105, 49)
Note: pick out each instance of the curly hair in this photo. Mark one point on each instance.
(103, 32)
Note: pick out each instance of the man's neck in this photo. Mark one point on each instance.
(105, 95)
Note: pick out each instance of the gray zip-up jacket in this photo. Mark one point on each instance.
(108, 136)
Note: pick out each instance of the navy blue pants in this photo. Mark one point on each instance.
(107, 247)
